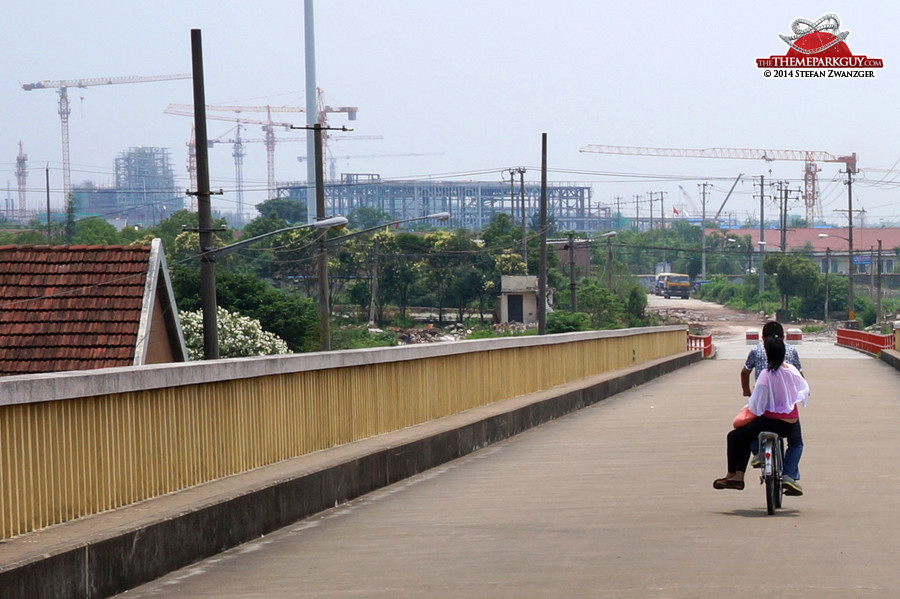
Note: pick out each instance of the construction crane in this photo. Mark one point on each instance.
(21, 176)
(810, 168)
(238, 154)
(267, 125)
(62, 88)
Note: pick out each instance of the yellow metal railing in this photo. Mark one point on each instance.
(66, 453)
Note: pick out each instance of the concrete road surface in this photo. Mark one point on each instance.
(613, 501)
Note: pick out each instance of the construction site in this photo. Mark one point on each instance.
(471, 204)
(145, 189)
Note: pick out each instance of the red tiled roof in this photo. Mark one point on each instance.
(863, 238)
(70, 308)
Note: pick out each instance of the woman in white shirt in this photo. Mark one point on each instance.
(774, 400)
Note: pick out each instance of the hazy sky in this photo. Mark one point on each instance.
(467, 86)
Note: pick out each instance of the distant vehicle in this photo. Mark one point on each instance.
(670, 283)
(660, 283)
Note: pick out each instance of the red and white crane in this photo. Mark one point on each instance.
(810, 168)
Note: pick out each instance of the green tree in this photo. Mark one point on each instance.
(365, 217)
(794, 275)
(95, 231)
(501, 232)
(170, 228)
(69, 228)
(448, 255)
(466, 286)
(281, 311)
(288, 210)
(567, 322)
(604, 308)
(400, 275)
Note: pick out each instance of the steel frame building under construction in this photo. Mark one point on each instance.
(471, 204)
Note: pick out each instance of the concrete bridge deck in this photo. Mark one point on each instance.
(615, 500)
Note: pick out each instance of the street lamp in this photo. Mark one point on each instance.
(436, 216)
(609, 236)
(739, 247)
(209, 254)
(762, 273)
(442, 216)
(851, 313)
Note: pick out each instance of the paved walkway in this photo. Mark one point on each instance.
(613, 501)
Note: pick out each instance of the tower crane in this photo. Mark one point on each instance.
(21, 176)
(810, 158)
(62, 88)
(267, 125)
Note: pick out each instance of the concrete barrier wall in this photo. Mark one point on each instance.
(111, 552)
(79, 443)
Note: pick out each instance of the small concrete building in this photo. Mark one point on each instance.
(519, 299)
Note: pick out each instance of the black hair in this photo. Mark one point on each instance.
(772, 329)
(774, 351)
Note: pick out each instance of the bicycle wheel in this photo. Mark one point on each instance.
(779, 474)
(771, 499)
(770, 474)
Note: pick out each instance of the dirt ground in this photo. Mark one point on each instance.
(707, 317)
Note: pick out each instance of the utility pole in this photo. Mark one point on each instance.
(542, 272)
(662, 211)
(827, 270)
(851, 313)
(521, 172)
(204, 206)
(871, 272)
(662, 226)
(650, 195)
(322, 252)
(322, 245)
(762, 236)
(512, 192)
(703, 187)
(609, 262)
(878, 289)
(618, 212)
(782, 213)
(374, 286)
(312, 108)
(572, 285)
(637, 212)
(47, 183)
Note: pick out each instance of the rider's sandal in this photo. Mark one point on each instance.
(726, 483)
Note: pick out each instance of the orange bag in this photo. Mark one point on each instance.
(744, 417)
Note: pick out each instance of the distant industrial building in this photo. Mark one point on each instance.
(471, 204)
(144, 192)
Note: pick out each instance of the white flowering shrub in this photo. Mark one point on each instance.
(239, 336)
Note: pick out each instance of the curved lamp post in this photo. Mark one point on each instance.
(211, 333)
(851, 313)
(436, 216)
(609, 236)
(442, 216)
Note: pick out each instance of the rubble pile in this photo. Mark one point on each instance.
(513, 327)
(429, 334)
